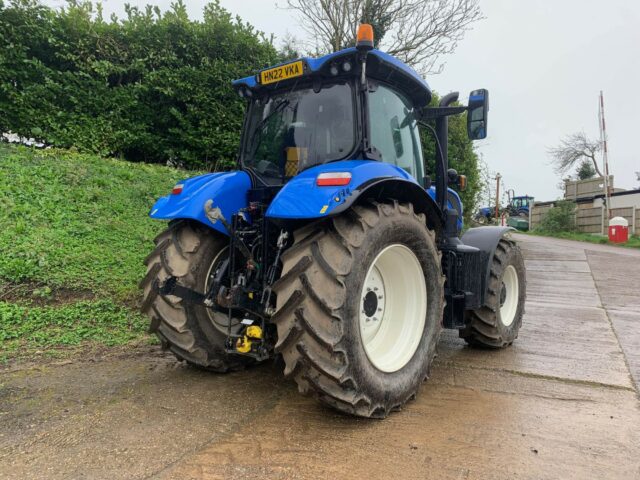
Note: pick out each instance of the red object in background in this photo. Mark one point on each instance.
(618, 230)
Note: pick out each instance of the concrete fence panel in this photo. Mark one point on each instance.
(537, 212)
(577, 189)
(589, 220)
(626, 213)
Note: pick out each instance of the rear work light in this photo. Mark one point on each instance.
(333, 179)
(177, 189)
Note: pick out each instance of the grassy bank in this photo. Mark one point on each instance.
(74, 234)
(634, 241)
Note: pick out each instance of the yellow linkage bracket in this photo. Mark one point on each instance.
(243, 345)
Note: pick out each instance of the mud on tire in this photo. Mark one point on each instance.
(485, 326)
(318, 304)
(186, 250)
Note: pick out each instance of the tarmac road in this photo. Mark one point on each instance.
(562, 403)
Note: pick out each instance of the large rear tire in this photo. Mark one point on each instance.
(341, 281)
(193, 333)
(496, 325)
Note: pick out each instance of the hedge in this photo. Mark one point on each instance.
(154, 86)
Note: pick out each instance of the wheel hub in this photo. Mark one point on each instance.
(373, 304)
(503, 294)
(370, 304)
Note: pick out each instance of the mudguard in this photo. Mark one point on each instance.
(486, 240)
(301, 198)
(228, 191)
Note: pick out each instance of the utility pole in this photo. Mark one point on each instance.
(605, 156)
(498, 177)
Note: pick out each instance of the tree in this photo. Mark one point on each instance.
(418, 32)
(289, 49)
(560, 218)
(585, 170)
(572, 149)
(462, 157)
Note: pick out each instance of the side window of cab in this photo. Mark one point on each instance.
(394, 130)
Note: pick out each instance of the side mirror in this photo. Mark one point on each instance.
(477, 114)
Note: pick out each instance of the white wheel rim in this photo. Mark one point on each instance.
(393, 308)
(219, 319)
(509, 296)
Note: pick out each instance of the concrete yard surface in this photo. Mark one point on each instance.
(561, 403)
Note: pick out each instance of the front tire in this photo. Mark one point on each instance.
(193, 333)
(326, 294)
(497, 323)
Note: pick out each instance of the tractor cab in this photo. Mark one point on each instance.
(521, 202)
(358, 104)
(519, 206)
(315, 111)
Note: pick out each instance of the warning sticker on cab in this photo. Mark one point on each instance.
(283, 72)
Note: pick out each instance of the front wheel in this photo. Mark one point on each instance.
(497, 323)
(359, 308)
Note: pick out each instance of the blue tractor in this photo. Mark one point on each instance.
(519, 206)
(484, 215)
(330, 245)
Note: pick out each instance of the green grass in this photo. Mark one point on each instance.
(80, 223)
(30, 328)
(634, 241)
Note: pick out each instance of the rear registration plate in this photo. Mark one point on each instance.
(283, 72)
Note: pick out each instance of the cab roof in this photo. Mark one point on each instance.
(380, 66)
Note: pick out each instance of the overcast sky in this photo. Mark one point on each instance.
(544, 63)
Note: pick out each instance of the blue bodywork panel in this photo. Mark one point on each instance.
(386, 65)
(228, 191)
(302, 198)
(453, 201)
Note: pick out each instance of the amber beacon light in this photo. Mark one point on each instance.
(365, 37)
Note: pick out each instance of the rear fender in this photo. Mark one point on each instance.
(228, 191)
(301, 198)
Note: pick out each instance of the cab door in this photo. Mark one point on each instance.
(394, 130)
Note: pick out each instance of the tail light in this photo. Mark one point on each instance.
(333, 179)
(177, 189)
